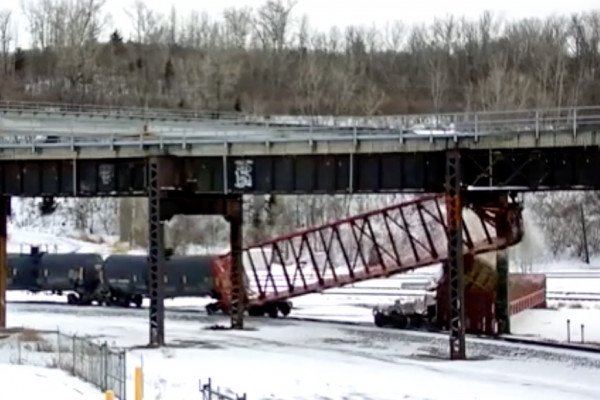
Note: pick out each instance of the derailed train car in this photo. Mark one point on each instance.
(431, 312)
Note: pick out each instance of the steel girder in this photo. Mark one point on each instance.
(455, 256)
(155, 257)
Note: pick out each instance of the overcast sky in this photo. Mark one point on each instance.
(325, 13)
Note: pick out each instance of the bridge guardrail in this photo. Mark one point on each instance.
(31, 130)
(113, 111)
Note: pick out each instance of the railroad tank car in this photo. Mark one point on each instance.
(188, 276)
(22, 273)
(185, 276)
(126, 279)
(78, 274)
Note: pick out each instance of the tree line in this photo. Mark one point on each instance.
(271, 60)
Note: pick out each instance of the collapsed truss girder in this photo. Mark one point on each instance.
(375, 244)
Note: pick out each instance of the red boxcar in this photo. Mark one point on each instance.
(525, 291)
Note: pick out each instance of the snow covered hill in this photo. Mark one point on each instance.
(21, 240)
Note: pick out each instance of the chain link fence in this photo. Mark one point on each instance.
(94, 363)
(210, 393)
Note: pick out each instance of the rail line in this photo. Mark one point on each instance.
(594, 298)
(189, 313)
(505, 338)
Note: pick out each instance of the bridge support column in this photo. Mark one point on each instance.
(455, 256)
(502, 268)
(4, 211)
(238, 293)
(155, 257)
(502, 303)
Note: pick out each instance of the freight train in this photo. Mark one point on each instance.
(118, 280)
(122, 280)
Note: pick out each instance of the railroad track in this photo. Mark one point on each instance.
(573, 275)
(189, 313)
(573, 296)
(587, 348)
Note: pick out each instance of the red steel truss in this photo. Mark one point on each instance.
(375, 244)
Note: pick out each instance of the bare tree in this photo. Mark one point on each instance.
(272, 23)
(149, 27)
(6, 39)
(504, 88)
(238, 26)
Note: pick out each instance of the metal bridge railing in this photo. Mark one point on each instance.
(70, 109)
(50, 125)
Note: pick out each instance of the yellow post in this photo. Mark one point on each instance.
(109, 395)
(139, 383)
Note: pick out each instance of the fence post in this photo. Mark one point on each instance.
(582, 328)
(19, 349)
(58, 348)
(139, 384)
(105, 364)
(569, 331)
(123, 385)
(74, 342)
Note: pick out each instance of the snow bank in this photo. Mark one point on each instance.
(291, 360)
(24, 382)
(552, 324)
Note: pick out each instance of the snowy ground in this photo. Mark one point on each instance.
(552, 324)
(288, 359)
(25, 382)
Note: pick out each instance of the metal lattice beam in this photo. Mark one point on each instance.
(155, 257)
(455, 256)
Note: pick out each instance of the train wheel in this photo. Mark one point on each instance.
(401, 322)
(212, 308)
(416, 322)
(256, 311)
(379, 320)
(72, 299)
(284, 308)
(272, 310)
